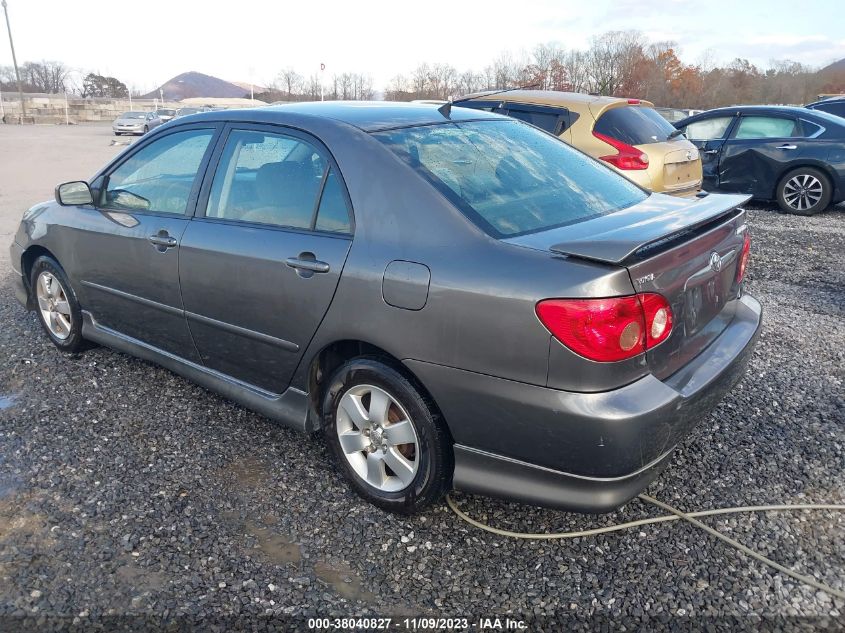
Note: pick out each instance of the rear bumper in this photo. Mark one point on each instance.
(18, 283)
(589, 452)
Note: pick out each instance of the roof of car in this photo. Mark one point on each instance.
(366, 115)
(546, 97)
(755, 108)
(826, 100)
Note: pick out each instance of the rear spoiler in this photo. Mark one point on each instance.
(617, 237)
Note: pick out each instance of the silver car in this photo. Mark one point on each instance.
(135, 122)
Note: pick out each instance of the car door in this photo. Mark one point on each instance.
(260, 262)
(127, 244)
(709, 135)
(753, 155)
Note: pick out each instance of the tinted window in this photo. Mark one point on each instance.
(766, 127)
(548, 121)
(159, 177)
(708, 129)
(634, 125)
(266, 178)
(836, 107)
(333, 214)
(810, 129)
(510, 178)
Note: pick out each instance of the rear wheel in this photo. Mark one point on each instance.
(57, 307)
(804, 191)
(386, 438)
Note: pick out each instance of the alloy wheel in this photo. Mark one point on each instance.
(53, 305)
(378, 438)
(803, 192)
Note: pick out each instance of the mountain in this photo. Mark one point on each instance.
(194, 84)
(835, 67)
(245, 86)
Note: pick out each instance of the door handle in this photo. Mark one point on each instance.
(162, 240)
(787, 147)
(306, 264)
(710, 151)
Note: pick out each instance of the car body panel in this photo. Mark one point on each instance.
(755, 165)
(474, 343)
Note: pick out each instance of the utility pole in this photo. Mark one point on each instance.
(14, 60)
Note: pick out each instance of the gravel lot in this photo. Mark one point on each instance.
(126, 490)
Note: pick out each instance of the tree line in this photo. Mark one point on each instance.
(52, 77)
(625, 63)
(619, 63)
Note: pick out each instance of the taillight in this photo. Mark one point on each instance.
(611, 329)
(627, 156)
(743, 257)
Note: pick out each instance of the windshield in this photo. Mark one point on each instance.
(510, 178)
(166, 112)
(634, 125)
(184, 111)
(133, 115)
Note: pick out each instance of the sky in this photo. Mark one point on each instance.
(146, 43)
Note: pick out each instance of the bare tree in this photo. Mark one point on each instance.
(44, 76)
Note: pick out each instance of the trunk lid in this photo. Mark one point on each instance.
(686, 250)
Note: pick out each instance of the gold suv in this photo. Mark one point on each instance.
(626, 133)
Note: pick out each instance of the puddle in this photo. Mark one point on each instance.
(278, 548)
(249, 473)
(7, 402)
(343, 581)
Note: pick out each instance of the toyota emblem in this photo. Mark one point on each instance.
(715, 261)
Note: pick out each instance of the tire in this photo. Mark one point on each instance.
(369, 456)
(55, 301)
(146, 129)
(804, 191)
(118, 134)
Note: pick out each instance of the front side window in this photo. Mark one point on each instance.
(160, 176)
(510, 178)
(766, 127)
(634, 125)
(270, 179)
(708, 129)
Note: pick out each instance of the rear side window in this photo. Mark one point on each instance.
(766, 127)
(333, 214)
(634, 125)
(837, 108)
(708, 129)
(509, 178)
(268, 179)
(548, 121)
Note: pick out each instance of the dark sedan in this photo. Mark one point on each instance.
(792, 155)
(453, 297)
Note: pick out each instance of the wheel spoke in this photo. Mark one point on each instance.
(42, 303)
(375, 470)
(403, 467)
(400, 433)
(63, 307)
(353, 441)
(62, 324)
(42, 286)
(379, 404)
(354, 408)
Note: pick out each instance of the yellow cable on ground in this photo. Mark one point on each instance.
(677, 515)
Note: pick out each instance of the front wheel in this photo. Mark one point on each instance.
(57, 307)
(386, 438)
(146, 129)
(804, 191)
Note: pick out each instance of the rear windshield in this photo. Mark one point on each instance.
(634, 125)
(510, 178)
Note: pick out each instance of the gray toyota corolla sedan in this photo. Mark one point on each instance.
(454, 298)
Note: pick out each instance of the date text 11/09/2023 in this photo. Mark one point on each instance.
(492, 623)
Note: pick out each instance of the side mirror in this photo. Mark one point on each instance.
(74, 193)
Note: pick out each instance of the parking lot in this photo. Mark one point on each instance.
(127, 490)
